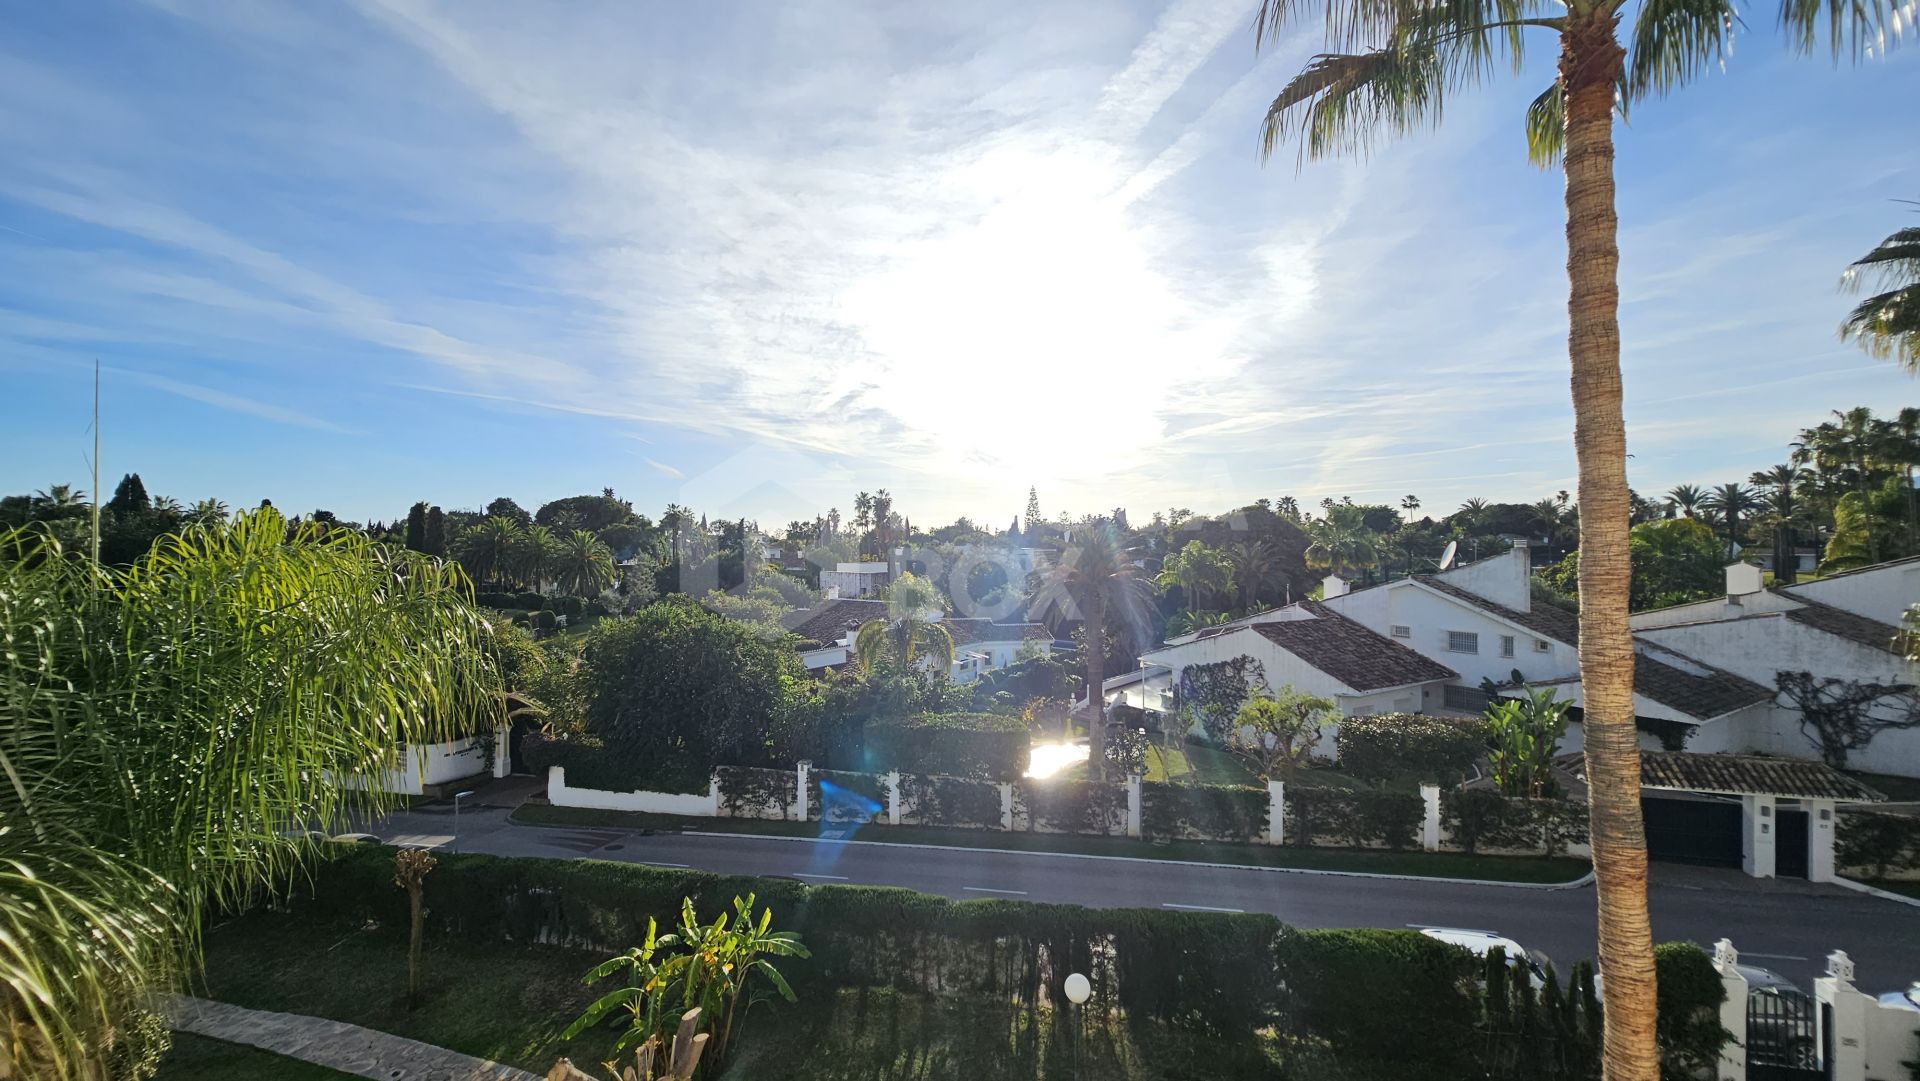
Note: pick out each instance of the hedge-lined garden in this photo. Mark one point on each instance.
(1205, 812)
(1880, 845)
(1362, 818)
(987, 745)
(1481, 818)
(1243, 995)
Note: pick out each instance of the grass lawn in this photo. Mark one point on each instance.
(1427, 864)
(1905, 887)
(496, 1000)
(197, 1058)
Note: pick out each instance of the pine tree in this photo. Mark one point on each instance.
(434, 540)
(417, 527)
(130, 497)
(1033, 510)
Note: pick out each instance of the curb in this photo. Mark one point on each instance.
(1579, 883)
(1875, 891)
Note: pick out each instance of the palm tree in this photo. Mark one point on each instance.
(1198, 570)
(486, 550)
(1730, 501)
(1096, 577)
(1778, 484)
(583, 564)
(1253, 564)
(534, 551)
(1687, 499)
(1887, 324)
(675, 520)
(59, 501)
(177, 771)
(911, 631)
(208, 512)
(1390, 67)
(1340, 540)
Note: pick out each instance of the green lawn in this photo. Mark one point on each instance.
(495, 1000)
(196, 1058)
(1905, 887)
(1427, 864)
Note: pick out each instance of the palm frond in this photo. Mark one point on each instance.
(1895, 261)
(1346, 24)
(1888, 326)
(1673, 40)
(1853, 27)
(1547, 127)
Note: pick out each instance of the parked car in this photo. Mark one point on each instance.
(1780, 1021)
(1482, 943)
(1903, 1000)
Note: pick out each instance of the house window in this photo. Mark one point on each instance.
(1506, 645)
(1463, 642)
(1540, 645)
(1401, 630)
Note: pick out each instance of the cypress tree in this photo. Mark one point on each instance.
(130, 497)
(417, 527)
(434, 543)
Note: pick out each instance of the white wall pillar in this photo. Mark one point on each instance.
(1430, 828)
(502, 751)
(1820, 824)
(1133, 805)
(800, 793)
(1733, 1012)
(1006, 805)
(1276, 812)
(713, 791)
(1849, 1019)
(893, 797)
(1759, 827)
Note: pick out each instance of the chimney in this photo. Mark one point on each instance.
(1333, 586)
(1742, 579)
(833, 593)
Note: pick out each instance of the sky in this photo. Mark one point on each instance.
(755, 257)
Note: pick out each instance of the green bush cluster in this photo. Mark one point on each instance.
(950, 801)
(868, 787)
(1388, 1003)
(1360, 819)
(1882, 843)
(1216, 812)
(1387, 745)
(1069, 806)
(588, 764)
(746, 792)
(986, 745)
(510, 602)
(1477, 818)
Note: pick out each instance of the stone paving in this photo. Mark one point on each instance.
(335, 1044)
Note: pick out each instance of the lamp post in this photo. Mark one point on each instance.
(457, 797)
(1078, 989)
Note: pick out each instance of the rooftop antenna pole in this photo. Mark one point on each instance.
(96, 460)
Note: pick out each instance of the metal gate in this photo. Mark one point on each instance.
(1705, 831)
(1782, 1036)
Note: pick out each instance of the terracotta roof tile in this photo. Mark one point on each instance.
(1695, 689)
(1350, 652)
(1844, 624)
(1544, 619)
(829, 621)
(1743, 774)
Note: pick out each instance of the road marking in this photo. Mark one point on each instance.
(1772, 956)
(989, 889)
(836, 878)
(656, 863)
(1200, 908)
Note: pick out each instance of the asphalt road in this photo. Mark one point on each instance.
(1788, 926)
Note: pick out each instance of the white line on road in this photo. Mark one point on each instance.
(989, 889)
(1199, 908)
(657, 863)
(1772, 956)
(836, 878)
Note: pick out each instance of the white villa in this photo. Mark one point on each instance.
(979, 645)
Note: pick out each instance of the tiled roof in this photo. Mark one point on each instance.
(1844, 624)
(967, 631)
(1350, 652)
(829, 621)
(1544, 619)
(1695, 689)
(1746, 774)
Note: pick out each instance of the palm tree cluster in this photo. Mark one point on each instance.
(502, 553)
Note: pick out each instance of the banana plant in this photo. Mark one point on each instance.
(1523, 733)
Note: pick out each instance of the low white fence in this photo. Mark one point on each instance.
(1849, 1035)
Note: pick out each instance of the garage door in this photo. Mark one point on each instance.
(1693, 830)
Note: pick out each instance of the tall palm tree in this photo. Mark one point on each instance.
(675, 520)
(583, 564)
(1390, 67)
(1887, 324)
(1778, 484)
(1095, 578)
(187, 744)
(1253, 564)
(1198, 570)
(911, 631)
(59, 501)
(208, 511)
(1339, 540)
(1688, 499)
(486, 550)
(534, 551)
(1730, 501)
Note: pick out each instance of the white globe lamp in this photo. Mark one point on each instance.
(1079, 988)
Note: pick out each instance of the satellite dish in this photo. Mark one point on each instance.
(1451, 553)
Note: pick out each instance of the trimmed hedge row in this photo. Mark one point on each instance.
(988, 745)
(949, 801)
(1884, 844)
(1366, 818)
(1476, 818)
(1385, 745)
(1390, 1003)
(1067, 806)
(747, 792)
(1211, 812)
(589, 764)
(858, 797)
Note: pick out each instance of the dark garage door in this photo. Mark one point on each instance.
(1693, 830)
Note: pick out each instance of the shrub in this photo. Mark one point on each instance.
(1482, 817)
(1071, 806)
(988, 745)
(591, 764)
(748, 793)
(571, 607)
(864, 796)
(1387, 745)
(529, 601)
(502, 601)
(1882, 842)
(950, 801)
(1687, 1015)
(1358, 819)
(1395, 997)
(1218, 812)
(544, 620)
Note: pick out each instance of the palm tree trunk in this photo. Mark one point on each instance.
(1096, 634)
(1590, 63)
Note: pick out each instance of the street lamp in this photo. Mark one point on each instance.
(1078, 989)
(457, 797)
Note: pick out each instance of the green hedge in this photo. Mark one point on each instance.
(985, 745)
(1217, 812)
(1392, 996)
(1360, 819)
(1387, 745)
(1070, 806)
(1881, 843)
(589, 764)
(750, 790)
(1477, 818)
(867, 786)
(950, 801)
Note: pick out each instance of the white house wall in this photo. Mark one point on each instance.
(1751, 604)
(1281, 667)
(1429, 616)
(1883, 593)
(1504, 579)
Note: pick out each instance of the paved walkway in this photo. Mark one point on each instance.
(335, 1044)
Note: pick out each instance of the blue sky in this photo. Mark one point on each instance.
(754, 257)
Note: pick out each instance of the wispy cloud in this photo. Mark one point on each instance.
(235, 403)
